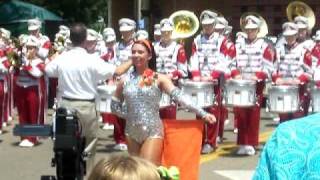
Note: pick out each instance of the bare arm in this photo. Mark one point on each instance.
(123, 68)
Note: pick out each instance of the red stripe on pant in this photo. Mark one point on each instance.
(169, 112)
(28, 107)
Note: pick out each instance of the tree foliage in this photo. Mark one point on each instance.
(86, 11)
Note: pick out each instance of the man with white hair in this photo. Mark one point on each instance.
(171, 60)
(293, 67)
(304, 32)
(34, 27)
(209, 59)
(29, 90)
(253, 60)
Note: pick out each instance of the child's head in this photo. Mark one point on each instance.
(124, 167)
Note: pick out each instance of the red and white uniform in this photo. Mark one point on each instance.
(109, 56)
(252, 59)
(122, 52)
(171, 60)
(30, 88)
(210, 58)
(45, 46)
(308, 44)
(315, 54)
(294, 62)
(4, 89)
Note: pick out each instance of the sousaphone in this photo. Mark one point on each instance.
(185, 23)
(298, 8)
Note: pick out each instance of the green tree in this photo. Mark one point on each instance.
(86, 11)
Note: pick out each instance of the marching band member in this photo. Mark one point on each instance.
(222, 28)
(123, 53)
(108, 119)
(34, 26)
(253, 60)
(4, 70)
(29, 88)
(220, 25)
(156, 34)
(304, 33)
(6, 48)
(142, 34)
(92, 41)
(209, 59)
(171, 61)
(123, 47)
(293, 67)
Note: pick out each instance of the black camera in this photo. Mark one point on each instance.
(69, 145)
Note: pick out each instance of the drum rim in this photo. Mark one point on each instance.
(283, 87)
(197, 84)
(241, 82)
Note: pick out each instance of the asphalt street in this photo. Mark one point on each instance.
(18, 163)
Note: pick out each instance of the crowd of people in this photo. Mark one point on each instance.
(80, 59)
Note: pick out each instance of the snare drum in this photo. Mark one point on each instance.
(283, 99)
(315, 96)
(240, 93)
(165, 100)
(103, 101)
(202, 93)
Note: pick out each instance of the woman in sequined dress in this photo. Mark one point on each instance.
(141, 92)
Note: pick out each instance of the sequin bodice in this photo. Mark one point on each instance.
(142, 102)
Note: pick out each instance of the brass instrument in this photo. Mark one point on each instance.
(298, 8)
(263, 31)
(185, 24)
(13, 56)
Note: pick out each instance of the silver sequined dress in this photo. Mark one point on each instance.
(143, 119)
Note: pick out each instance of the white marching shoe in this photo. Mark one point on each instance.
(26, 143)
(108, 126)
(246, 150)
(120, 147)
